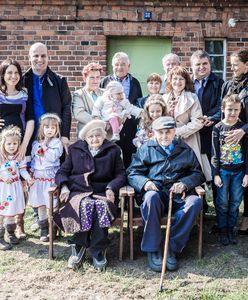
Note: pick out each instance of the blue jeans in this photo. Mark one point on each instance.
(228, 199)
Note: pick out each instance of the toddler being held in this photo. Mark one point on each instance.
(114, 108)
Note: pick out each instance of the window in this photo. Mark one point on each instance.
(216, 48)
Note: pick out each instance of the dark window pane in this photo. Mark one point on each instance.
(217, 63)
(219, 74)
(214, 47)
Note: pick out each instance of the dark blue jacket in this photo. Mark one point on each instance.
(56, 97)
(152, 163)
(211, 107)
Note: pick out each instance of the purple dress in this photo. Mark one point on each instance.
(13, 110)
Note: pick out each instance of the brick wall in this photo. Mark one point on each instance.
(76, 31)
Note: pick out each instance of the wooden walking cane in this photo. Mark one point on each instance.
(167, 239)
(166, 244)
(51, 223)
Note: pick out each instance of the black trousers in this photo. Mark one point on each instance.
(96, 238)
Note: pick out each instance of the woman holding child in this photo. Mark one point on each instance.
(90, 178)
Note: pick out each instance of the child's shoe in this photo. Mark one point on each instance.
(35, 226)
(11, 237)
(3, 245)
(223, 237)
(44, 230)
(20, 233)
(115, 137)
(232, 236)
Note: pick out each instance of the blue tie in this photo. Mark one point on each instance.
(201, 89)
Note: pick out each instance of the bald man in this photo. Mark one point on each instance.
(48, 91)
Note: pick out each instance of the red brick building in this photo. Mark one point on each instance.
(77, 32)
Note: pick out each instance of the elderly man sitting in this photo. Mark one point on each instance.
(162, 165)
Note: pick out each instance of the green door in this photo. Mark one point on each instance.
(145, 54)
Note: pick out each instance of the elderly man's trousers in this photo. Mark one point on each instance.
(154, 207)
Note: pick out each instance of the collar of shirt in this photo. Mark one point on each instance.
(168, 149)
(126, 78)
(125, 83)
(198, 83)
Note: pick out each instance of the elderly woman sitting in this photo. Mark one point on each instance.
(90, 178)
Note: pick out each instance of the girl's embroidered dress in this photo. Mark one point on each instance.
(11, 197)
(44, 165)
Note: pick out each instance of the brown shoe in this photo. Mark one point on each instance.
(19, 232)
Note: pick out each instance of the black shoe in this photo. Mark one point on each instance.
(232, 236)
(214, 229)
(155, 261)
(100, 262)
(171, 262)
(223, 237)
(243, 232)
(77, 256)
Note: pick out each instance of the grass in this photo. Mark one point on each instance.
(220, 274)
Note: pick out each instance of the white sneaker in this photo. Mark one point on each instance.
(115, 137)
(35, 226)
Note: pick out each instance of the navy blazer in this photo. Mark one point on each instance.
(211, 107)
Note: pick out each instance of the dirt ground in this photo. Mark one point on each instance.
(27, 273)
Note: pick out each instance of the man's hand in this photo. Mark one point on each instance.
(218, 181)
(234, 136)
(150, 186)
(178, 188)
(21, 152)
(110, 195)
(206, 122)
(65, 142)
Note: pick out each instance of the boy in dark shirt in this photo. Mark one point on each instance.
(230, 169)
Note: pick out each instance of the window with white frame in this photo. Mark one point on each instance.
(216, 48)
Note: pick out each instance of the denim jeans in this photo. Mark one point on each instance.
(228, 199)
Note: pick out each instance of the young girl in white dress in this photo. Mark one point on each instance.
(11, 197)
(45, 161)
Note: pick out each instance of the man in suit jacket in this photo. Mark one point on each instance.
(208, 88)
(132, 89)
